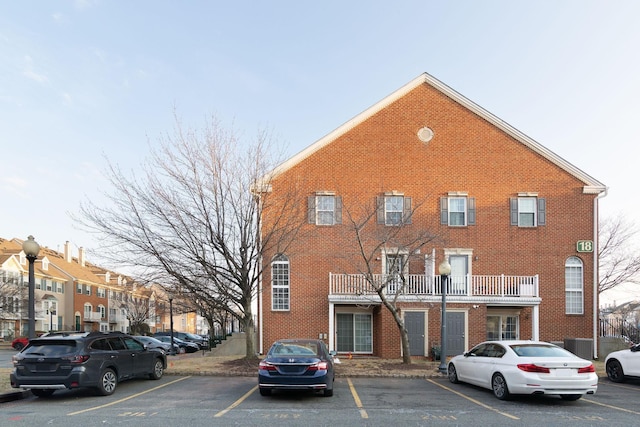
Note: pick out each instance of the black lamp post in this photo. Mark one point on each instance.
(173, 350)
(31, 249)
(445, 270)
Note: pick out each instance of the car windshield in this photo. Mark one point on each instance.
(536, 350)
(51, 348)
(295, 349)
(192, 337)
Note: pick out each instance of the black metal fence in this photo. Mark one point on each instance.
(619, 328)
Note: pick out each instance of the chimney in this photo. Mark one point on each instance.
(81, 256)
(67, 251)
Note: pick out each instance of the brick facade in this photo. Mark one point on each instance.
(473, 154)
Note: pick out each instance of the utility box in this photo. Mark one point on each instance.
(581, 347)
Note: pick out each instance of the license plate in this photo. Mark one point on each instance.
(564, 372)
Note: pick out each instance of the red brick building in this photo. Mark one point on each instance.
(517, 223)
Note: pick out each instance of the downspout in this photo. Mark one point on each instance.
(596, 272)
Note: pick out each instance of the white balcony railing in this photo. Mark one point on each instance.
(421, 285)
(93, 316)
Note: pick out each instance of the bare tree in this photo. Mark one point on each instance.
(193, 222)
(137, 312)
(401, 244)
(619, 259)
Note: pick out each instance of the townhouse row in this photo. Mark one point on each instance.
(74, 294)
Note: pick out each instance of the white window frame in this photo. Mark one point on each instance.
(280, 283)
(574, 285)
(526, 212)
(324, 214)
(463, 211)
(391, 210)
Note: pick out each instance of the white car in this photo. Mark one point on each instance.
(524, 367)
(623, 363)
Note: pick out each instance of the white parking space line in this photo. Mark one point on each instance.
(477, 402)
(356, 398)
(127, 398)
(617, 408)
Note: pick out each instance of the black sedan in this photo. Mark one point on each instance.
(151, 342)
(297, 364)
(183, 346)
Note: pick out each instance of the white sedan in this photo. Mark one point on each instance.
(524, 367)
(623, 363)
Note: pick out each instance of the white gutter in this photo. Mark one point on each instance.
(596, 272)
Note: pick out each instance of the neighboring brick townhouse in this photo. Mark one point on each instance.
(516, 222)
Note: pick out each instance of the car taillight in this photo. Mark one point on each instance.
(530, 367)
(320, 366)
(77, 359)
(267, 366)
(587, 369)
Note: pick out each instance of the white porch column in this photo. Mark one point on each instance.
(332, 334)
(535, 323)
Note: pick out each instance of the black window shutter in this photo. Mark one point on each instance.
(338, 214)
(406, 215)
(542, 211)
(311, 209)
(444, 210)
(380, 209)
(514, 211)
(472, 211)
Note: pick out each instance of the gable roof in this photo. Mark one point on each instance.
(592, 185)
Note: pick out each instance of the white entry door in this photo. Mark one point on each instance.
(459, 270)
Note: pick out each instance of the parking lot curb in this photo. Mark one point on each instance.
(15, 395)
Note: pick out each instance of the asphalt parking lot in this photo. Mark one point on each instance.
(206, 401)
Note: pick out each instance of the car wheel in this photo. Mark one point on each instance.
(42, 392)
(158, 370)
(19, 346)
(499, 387)
(108, 382)
(614, 371)
(265, 391)
(452, 374)
(182, 350)
(328, 392)
(570, 397)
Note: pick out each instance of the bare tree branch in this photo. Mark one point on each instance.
(194, 222)
(619, 259)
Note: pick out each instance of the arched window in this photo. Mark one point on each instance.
(280, 283)
(574, 286)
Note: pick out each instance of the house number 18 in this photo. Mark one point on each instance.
(584, 246)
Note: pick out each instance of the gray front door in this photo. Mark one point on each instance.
(455, 333)
(414, 322)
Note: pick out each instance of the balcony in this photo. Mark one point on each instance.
(419, 287)
(116, 318)
(93, 316)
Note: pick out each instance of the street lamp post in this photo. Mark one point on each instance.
(173, 350)
(31, 249)
(445, 270)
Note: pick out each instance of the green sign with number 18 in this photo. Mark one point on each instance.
(584, 246)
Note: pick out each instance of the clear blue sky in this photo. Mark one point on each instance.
(80, 80)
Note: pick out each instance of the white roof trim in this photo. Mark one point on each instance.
(593, 186)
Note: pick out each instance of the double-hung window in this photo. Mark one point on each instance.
(324, 209)
(528, 211)
(393, 209)
(573, 285)
(280, 285)
(457, 210)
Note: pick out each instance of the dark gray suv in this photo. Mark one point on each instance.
(98, 360)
